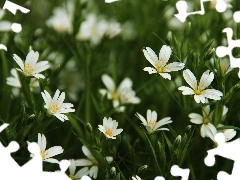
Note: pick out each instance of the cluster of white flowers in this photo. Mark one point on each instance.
(161, 67)
(95, 27)
(62, 18)
(121, 95)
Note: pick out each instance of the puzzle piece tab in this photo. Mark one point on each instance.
(181, 6)
(222, 51)
(228, 150)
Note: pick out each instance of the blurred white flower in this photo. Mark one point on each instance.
(4, 25)
(92, 29)
(14, 79)
(121, 95)
(109, 128)
(47, 154)
(128, 31)
(199, 90)
(114, 28)
(15, 82)
(31, 67)
(136, 177)
(160, 64)
(79, 174)
(151, 123)
(213, 3)
(62, 18)
(90, 161)
(55, 105)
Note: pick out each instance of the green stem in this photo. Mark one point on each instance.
(172, 94)
(154, 154)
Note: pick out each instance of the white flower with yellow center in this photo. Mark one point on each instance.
(61, 21)
(31, 67)
(121, 95)
(160, 64)
(55, 105)
(151, 123)
(199, 90)
(109, 128)
(47, 154)
(207, 128)
(90, 161)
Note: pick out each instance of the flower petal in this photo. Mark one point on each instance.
(205, 80)
(83, 162)
(175, 66)
(166, 75)
(164, 55)
(108, 82)
(186, 90)
(196, 118)
(53, 151)
(18, 61)
(150, 70)
(150, 56)
(190, 78)
(144, 122)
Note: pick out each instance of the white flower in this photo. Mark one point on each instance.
(55, 105)
(61, 21)
(160, 64)
(114, 28)
(207, 129)
(199, 90)
(31, 67)
(136, 177)
(15, 82)
(151, 123)
(92, 29)
(90, 161)
(109, 128)
(121, 95)
(47, 154)
(79, 174)
(14, 79)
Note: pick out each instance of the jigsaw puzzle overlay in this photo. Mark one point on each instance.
(33, 169)
(221, 51)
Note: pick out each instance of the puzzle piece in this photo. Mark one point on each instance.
(222, 51)
(181, 6)
(176, 171)
(236, 16)
(228, 150)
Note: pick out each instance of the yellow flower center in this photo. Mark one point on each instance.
(205, 121)
(114, 96)
(44, 154)
(28, 69)
(72, 177)
(197, 91)
(53, 108)
(152, 123)
(109, 132)
(159, 69)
